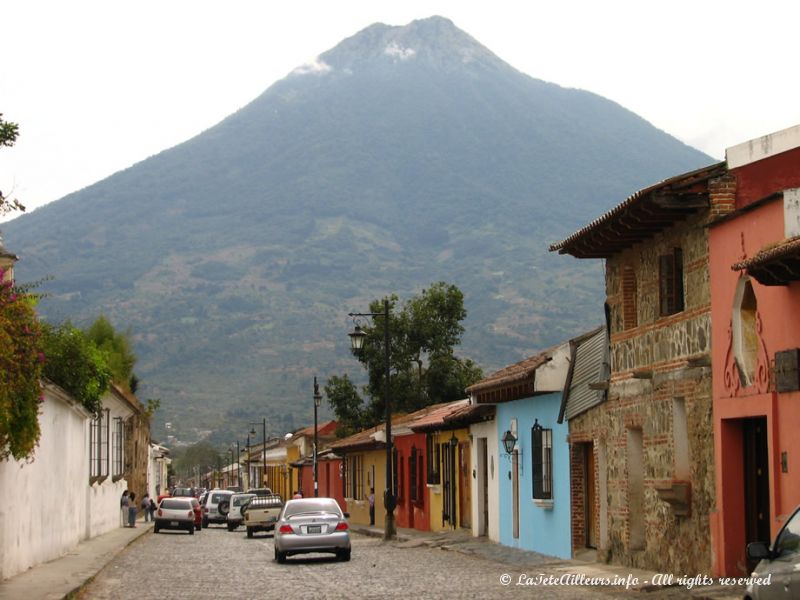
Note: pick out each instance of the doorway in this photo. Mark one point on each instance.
(590, 496)
(756, 481)
(464, 485)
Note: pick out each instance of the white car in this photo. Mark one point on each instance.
(216, 508)
(235, 517)
(778, 573)
(174, 513)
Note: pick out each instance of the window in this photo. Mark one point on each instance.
(354, 481)
(415, 475)
(397, 473)
(542, 444)
(745, 331)
(99, 434)
(433, 461)
(118, 450)
(671, 282)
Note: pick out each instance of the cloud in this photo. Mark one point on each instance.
(397, 52)
(316, 66)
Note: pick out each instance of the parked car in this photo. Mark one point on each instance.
(175, 513)
(183, 492)
(238, 501)
(215, 509)
(778, 573)
(310, 525)
(198, 514)
(261, 513)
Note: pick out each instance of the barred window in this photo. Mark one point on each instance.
(542, 444)
(671, 282)
(355, 477)
(99, 441)
(433, 460)
(118, 449)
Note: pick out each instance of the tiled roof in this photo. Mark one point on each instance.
(511, 374)
(436, 418)
(778, 264)
(641, 215)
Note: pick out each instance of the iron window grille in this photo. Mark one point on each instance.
(542, 443)
(118, 449)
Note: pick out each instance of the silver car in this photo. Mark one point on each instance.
(778, 573)
(310, 525)
(174, 513)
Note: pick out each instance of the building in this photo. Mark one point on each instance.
(755, 294)
(652, 439)
(533, 454)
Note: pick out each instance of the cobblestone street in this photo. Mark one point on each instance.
(217, 564)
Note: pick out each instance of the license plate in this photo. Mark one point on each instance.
(314, 529)
(173, 523)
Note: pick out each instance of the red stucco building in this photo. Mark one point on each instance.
(754, 250)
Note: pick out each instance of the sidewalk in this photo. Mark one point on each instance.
(522, 561)
(58, 578)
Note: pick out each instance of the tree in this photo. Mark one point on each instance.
(424, 370)
(202, 454)
(117, 349)
(21, 361)
(74, 362)
(8, 136)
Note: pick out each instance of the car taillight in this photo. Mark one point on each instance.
(160, 513)
(286, 529)
(342, 526)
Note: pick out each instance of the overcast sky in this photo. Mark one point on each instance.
(97, 86)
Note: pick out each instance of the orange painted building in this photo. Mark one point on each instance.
(754, 250)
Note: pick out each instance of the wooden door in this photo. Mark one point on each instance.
(756, 481)
(465, 485)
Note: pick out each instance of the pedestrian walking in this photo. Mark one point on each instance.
(152, 509)
(371, 500)
(132, 510)
(124, 502)
(146, 507)
(297, 494)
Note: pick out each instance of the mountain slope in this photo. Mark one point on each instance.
(403, 156)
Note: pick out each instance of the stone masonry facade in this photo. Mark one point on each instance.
(654, 432)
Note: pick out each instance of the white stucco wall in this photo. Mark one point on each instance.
(488, 430)
(102, 500)
(42, 502)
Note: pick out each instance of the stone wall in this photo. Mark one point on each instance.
(659, 391)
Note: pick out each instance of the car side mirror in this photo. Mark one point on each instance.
(758, 551)
(346, 515)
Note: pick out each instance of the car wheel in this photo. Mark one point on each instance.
(249, 532)
(191, 530)
(343, 555)
(224, 507)
(280, 557)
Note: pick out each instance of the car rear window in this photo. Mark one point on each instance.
(239, 500)
(312, 505)
(175, 504)
(217, 498)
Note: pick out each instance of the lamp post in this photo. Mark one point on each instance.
(248, 461)
(317, 401)
(357, 343)
(263, 448)
(239, 465)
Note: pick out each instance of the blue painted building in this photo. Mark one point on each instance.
(534, 477)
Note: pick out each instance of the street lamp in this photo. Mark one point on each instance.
(263, 448)
(357, 343)
(317, 402)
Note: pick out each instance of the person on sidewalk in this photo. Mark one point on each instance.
(132, 510)
(124, 502)
(152, 509)
(146, 507)
(371, 499)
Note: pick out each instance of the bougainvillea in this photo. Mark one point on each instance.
(21, 362)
